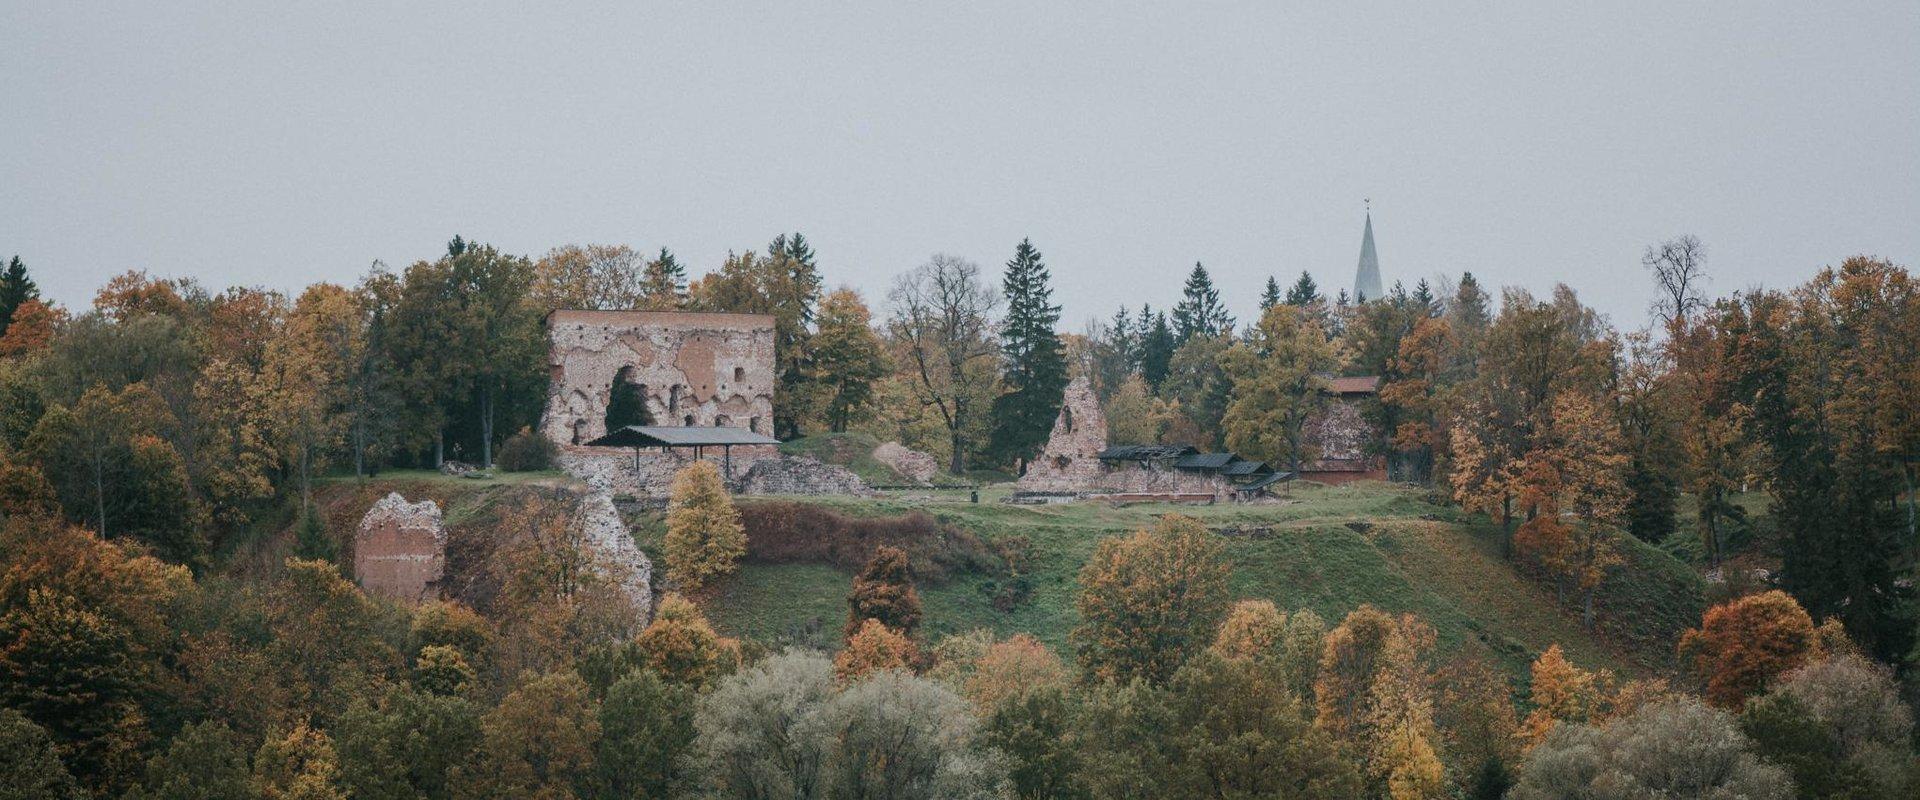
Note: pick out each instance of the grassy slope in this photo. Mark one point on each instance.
(1402, 554)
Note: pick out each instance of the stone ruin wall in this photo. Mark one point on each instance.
(756, 470)
(697, 368)
(1338, 436)
(400, 549)
(1071, 460)
(1135, 478)
(910, 463)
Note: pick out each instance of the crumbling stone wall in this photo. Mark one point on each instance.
(1135, 478)
(907, 461)
(756, 470)
(604, 531)
(690, 368)
(1338, 436)
(1071, 460)
(400, 549)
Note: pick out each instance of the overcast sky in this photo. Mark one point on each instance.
(1527, 144)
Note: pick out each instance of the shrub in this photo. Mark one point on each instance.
(884, 591)
(1740, 646)
(874, 648)
(681, 647)
(1678, 748)
(526, 451)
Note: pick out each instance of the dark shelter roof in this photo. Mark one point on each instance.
(1145, 452)
(1239, 468)
(1267, 481)
(1206, 462)
(680, 436)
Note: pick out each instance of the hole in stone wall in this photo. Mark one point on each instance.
(753, 424)
(722, 420)
(627, 402)
(688, 421)
(579, 431)
(739, 373)
(1061, 462)
(673, 399)
(1066, 418)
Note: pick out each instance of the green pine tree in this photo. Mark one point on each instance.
(663, 284)
(1270, 296)
(16, 287)
(1304, 292)
(1199, 312)
(1157, 344)
(1035, 361)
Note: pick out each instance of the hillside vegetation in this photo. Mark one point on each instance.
(1328, 549)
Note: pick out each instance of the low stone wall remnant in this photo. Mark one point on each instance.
(907, 461)
(400, 549)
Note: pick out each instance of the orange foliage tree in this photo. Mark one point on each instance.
(884, 591)
(1742, 645)
(680, 646)
(873, 648)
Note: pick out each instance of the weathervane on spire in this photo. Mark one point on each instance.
(1369, 202)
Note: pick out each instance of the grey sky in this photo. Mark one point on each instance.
(1527, 144)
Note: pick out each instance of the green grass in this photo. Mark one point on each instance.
(855, 452)
(1329, 549)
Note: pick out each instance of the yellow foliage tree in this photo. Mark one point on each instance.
(1278, 383)
(1149, 600)
(1011, 669)
(873, 648)
(298, 765)
(1252, 629)
(704, 535)
(680, 646)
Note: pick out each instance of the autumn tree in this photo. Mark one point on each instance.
(941, 318)
(1012, 669)
(299, 764)
(847, 356)
(31, 329)
(704, 537)
(1149, 600)
(646, 729)
(203, 760)
(681, 646)
(1278, 383)
(303, 383)
(1252, 629)
(1034, 362)
(538, 742)
(1671, 749)
(1231, 729)
(1576, 470)
(872, 648)
(595, 276)
(1416, 395)
(883, 590)
(1742, 645)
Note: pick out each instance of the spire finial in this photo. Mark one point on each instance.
(1369, 202)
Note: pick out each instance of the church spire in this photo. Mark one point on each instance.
(1366, 280)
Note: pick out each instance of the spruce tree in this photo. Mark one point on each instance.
(1156, 349)
(1270, 296)
(1304, 292)
(792, 281)
(663, 286)
(15, 288)
(1035, 361)
(1199, 313)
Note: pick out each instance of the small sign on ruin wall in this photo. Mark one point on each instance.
(1071, 460)
(400, 549)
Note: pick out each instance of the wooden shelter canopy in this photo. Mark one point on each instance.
(638, 436)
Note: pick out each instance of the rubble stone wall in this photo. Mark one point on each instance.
(693, 368)
(756, 470)
(607, 534)
(1071, 460)
(1132, 478)
(400, 549)
(907, 461)
(1338, 436)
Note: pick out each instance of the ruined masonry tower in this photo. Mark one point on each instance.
(1366, 280)
(1071, 460)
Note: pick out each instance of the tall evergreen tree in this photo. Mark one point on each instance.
(663, 284)
(1270, 296)
(16, 287)
(1304, 292)
(1034, 360)
(1157, 344)
(793, 282)
(1199, 312)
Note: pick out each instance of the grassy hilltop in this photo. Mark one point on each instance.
(1329, 549)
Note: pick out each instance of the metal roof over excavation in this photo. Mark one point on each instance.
(1145, 452)
(681, 436)
(1206, 462)
(1267, 481)
(1244, 468)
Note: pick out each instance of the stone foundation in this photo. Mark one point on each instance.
(400, 549)
(607, 535)
(756, 470)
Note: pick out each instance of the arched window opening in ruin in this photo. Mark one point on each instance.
(673, 400)
(739, 374)
(753, 424)
(579, 431)
(627, 402)
(1066, 418)
(722, 420)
